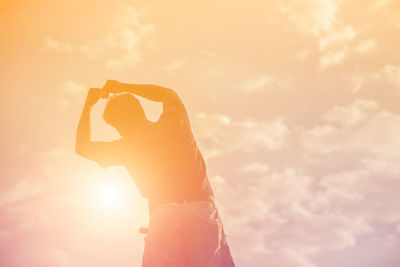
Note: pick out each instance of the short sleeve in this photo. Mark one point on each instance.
(109, 153)
(173, 108)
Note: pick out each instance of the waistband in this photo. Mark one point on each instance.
(153, 203)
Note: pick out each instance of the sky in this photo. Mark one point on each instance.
(294, 105)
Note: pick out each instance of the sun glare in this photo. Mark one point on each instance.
(110, 191)
(110, 196)
(110, 202)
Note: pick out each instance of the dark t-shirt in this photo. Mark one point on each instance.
(164, 161)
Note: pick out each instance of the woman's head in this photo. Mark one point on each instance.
(125, 113)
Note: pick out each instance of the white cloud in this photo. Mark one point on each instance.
(332, 58)
(314, 16)
(121, 47)
(329, 139)
(358, 82)
(293, 216)
(392, 74)
(352, 114)
(210, 54)
(365, 46)
(177, 64)
(391, 10)
(217, 179)
(71, 92)
(286, 216)
(256, 167)
(264, 200)
(73, 88)
(359, 124)
(379, 4)
(258, 83)
(319, 18)
(222, 134)
(55, 45)
(302, 54)
(337, 38)
(334, 45)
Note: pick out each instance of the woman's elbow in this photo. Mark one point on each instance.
(80, 149)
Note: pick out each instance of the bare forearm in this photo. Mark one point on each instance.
(149, 91)
(83, 133)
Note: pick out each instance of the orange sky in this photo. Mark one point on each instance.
(294, 105)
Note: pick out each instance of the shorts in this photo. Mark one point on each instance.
(186, 235)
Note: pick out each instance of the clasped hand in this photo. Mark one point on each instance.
(94, 94)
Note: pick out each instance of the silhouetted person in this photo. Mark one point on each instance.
(168, 169)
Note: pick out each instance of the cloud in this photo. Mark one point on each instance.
(71, 92)
(332, 58)
(217, 179)
(210, 54)
(121, 47)
(258, 83)
(327, 138)
(347, 181)
(256, 167)
(391, 10)
(265, 198)
(365, 124)
(358, 82)
(334, 45)
(337, 38)
(55, 45)
(365, 46)
(313, 16)
(290, 190)
(319, 18)
(287, 221)
(302, 54)
(72, 88)
(177, 64)
(352, 114)
(392, 74)
(219, 134)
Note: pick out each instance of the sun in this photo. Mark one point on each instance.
(110, 191)
(109, 201)
(110, 196)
